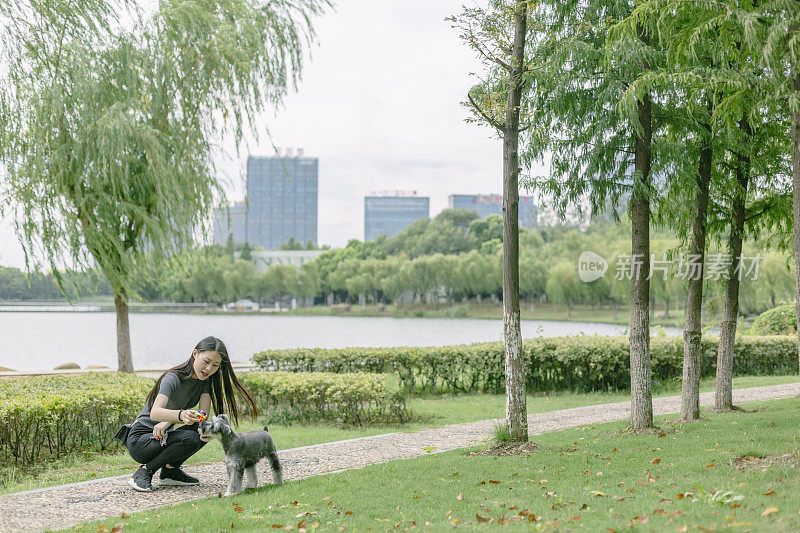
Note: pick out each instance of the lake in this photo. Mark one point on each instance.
(42, 340)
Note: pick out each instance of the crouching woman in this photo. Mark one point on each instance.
(205, 379)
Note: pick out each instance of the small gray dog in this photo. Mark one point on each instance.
(242, 452)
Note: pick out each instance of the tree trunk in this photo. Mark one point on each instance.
(641, 372)
(516, 407)
(692, 326)
(124, 356)
(795, 73)
(723, 393)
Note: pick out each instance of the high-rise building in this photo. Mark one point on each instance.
(390, 213)
(492, 204)
(236, 226)
(282, 196)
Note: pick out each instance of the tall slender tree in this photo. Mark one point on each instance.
(499, 35)
(601, 151)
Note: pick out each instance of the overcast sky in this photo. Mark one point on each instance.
(379, 105)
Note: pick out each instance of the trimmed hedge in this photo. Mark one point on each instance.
(781, 320)
(51, 416)
(581, 363)
(352, 398)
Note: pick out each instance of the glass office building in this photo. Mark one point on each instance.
(492, 204)
(282, 193)
(390, 214)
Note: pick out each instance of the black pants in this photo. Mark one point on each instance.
(182, 443)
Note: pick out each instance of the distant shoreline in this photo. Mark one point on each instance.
(490, 311)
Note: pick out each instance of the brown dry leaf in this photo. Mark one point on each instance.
(124, 515)
(482, 520)
(598, 493)
(116, 529)
(655, 461)
(770, 493)
(641, 519)
(576, 518)
(341, 528)
(277, 526)
(769, 510)
(456, 521)
(348, 512)
(503, 522)
(682, 529)
(302, 524)
(459, 496)
(493, 482)
(712, 465)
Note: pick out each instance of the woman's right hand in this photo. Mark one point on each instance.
(160, 429)
(189, 417)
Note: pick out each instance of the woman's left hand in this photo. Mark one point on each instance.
(160, 429)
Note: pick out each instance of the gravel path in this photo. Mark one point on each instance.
(66, 505)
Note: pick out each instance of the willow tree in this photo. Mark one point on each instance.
(108, 135)
(498, 35)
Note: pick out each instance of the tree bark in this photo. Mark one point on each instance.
(124, 356)
(641, 371)
(516, 407)
(723, 393)
(692, 327)
(795, 74)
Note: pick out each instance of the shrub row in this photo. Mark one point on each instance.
(351, 398)
(579, 363)
(50, 416)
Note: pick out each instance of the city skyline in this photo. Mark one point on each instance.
(410, 135)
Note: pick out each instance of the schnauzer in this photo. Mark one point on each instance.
(242, 452)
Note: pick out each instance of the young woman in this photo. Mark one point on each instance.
(206, 379)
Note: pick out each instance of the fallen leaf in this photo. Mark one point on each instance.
(682, 529)
(482, 520)
(598, 493)
(116, 529)
(493, 482)
(769, 510)
(456, 521)
(124, 515)
(348, 512)
(302, 524)
(770, 493)
(641, 519)
(655, 461)
(459, 496)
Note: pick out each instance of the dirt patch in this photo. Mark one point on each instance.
(509, 448)
(750, 462)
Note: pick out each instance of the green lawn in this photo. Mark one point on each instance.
(589, 478)
(430, 410)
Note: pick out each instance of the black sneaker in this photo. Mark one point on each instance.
(176, 476)
(141, 480)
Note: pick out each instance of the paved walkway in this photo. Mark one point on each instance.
(66, 505)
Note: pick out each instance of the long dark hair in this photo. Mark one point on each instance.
(223, 381)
